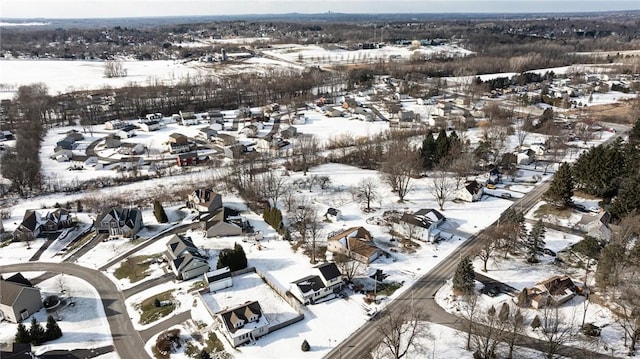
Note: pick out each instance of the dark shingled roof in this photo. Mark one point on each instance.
(309, 283)
(231, 316)
(329, 270)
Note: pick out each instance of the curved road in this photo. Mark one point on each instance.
(126, 339)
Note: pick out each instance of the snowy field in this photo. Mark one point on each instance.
(84, 325)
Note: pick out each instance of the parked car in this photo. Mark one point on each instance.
(491, 186)
(594, 210)
(549, 252)
(495, 290)
(505, 195)
(580, 207)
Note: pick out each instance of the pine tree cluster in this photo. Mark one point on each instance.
(36, 334)
(560, 191)
(273, 216)
(234, 258)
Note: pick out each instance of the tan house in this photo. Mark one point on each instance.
(204, 200)
(18, 299)
(356, 243)
(554, 291)
(243, 323)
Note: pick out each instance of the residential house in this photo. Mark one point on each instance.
(224, 222)
(67, 143)
(130, 163)
(34, 223)
(250, 130)
(333, 111)
(187, 159)
(207, 134)
(472, 191)
(127, 131)
(235, 151)
(151, 125)
(218, 279)
(119, 222)
(326, 280)
(406, 116)
(204, 200)
(525, 157)
(333, 214)
(178, 143)
(215, 116)
(275, 144)
(552, 292)
(112, 141)
(356, 243)
(289, 132)
(131, 149)
(18, 298)
(494, 176)
(185, 258)
(115, 124)
(243, 323)
(422, 225)
(188, 118)
(599, 227)
(226, 139)
(154, 116)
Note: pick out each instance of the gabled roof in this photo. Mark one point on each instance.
(31, 219)
(205, 195)
(329, 271)
(357, 232)
(310, 283)
(232, 315)
(361, 247)
(11, 290)
(178, 244)
(129, 215)
(18, 278)
(218, 274)
(472, 187)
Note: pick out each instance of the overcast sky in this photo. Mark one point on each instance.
(137, 8)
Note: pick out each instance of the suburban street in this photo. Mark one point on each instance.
(126, 339)
(420, 297)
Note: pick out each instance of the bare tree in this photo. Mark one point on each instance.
(629, 314)
(515, 327)
(61, 282)
(402, 331)
(442, 188)
(521, 129)
(305, 151)
(461, 167)
(366, 192)
(488, 332)
(273, 186)
(555, 330)
(349, 267)
(114, 68)
(400, 166)
(470, 313)
(486, 251)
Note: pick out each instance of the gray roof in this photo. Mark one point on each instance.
(329, 270)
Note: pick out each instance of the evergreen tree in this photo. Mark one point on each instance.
(53, 331)
(442, 146)
(561, 189)
(234, 258)
(634, 134)
(22, 335)
(305, 346)
(535, 241)
(464, 277)
(601, 170)
(535, 323)
(428, 151)
(158, 211)
(523, 298)
(36, 332)
(628, 198)
(204, 354)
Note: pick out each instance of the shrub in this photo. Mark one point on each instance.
(305, 346)
(53, 331)
(535, 323)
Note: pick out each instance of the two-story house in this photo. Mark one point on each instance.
(326, 280)
(243, 323)
(119, 222)
(421, 225)
(185, 258)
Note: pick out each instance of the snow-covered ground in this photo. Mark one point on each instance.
(84, 325)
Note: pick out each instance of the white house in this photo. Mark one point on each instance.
(422, 225)
(218, 279)
(326, 280)
(243, 323)
(472, 191)
(152, 125)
